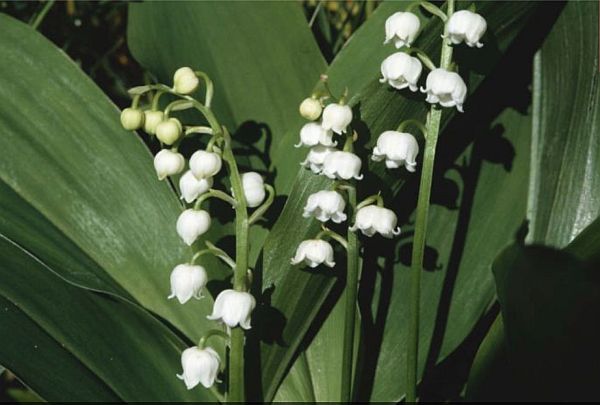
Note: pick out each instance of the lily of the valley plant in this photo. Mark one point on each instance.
(330, 138)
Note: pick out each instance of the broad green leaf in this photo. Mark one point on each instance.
(79, 193)
(550, 306)
(562, 197)
(458, 276)
(492, 377)
(564, 189)
(67, 343)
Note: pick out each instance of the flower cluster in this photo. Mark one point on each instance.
(232, 307)
(400, 70)
(343, 166)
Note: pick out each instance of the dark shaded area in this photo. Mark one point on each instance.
(93, 34)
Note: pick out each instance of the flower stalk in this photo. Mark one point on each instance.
(432, 132)
(236, 386)
(351, 294)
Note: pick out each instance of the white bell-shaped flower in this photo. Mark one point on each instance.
(311, 109)
(314, 252)
(185, 81)
(200, 366)
(233, 308)
(397, 149)
(402, 28)
(313, 134)
(151, 120)
(316, 157)
(254, 189)
(132, 118)
(373, 219)
(326, 205)
(191, 224)
(191, 188)
(168, 163)
(187, 281)
(205, 164)
(342, 165)
(446, 88)
(401, 70)
(467, 26)
(337, 117)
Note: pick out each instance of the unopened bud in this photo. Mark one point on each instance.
(169, 131)
(132, 119)
(311, 109)
(151, 120)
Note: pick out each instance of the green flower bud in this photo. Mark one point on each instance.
(151, 120)
(311, 109)
(169, 131)
(132, 119)
(185, 81)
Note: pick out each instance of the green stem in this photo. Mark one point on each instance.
(209, 87)
(258, 213)
(35, 23)
(212, 193)
(350, 292)
(211, 333)
(376, 198)
(236, 353)
(221, 254)
(220, 397)
(433, 128)
(326, 232)
(156, 99)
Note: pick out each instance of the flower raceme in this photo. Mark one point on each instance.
(191, 224)
(233, 308)
(185, 81)
(316, 157)
(254, 189)
(401, 70)
(200, 366)
(397, 149)
(168, 163)
(191, 188)
(326, 205)
(314, 252)
(467, 26)
(401, 28)
(336, 117)
(187, 281)
(205, 164)
(313, 134)
(446, 88)
(342, 165)
(373, 219)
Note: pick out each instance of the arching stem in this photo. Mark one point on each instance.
(433, 128)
